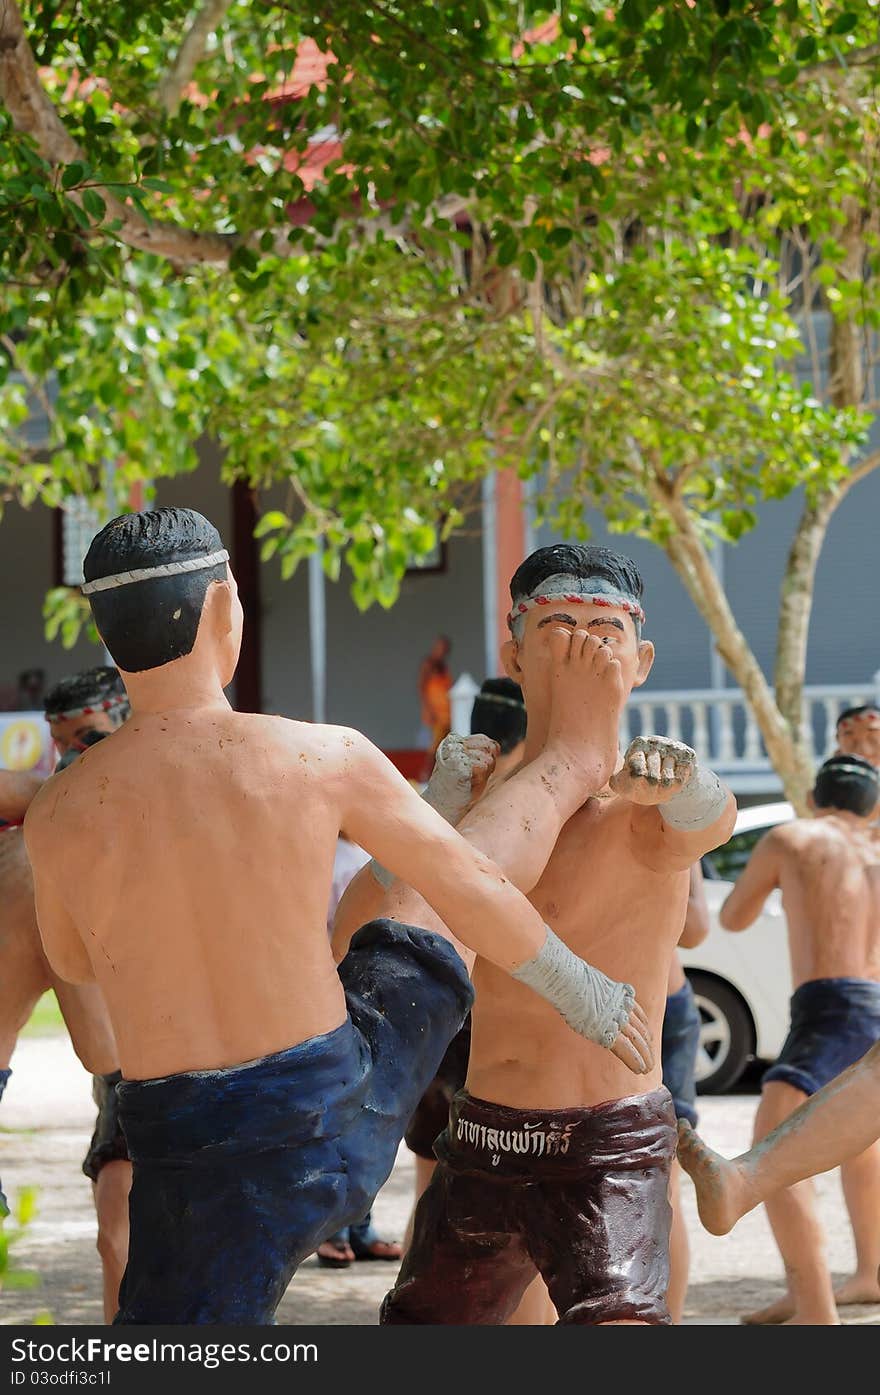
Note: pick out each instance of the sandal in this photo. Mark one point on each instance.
(337, 1254)
(374, 1248)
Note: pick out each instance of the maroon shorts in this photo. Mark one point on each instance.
(578, 1195)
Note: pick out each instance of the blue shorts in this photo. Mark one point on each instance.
(239, 1174)
(834, 1021)
(679, 1046)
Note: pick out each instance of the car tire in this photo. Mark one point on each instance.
(727, 1038)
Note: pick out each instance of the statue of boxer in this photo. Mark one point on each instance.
(858, 732)
(550, 1163)
(80, 710)
(828, 870)
(264, 1094)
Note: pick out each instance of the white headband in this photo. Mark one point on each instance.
(577, 591)
(195, 564)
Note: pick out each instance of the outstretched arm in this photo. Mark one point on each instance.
(681, 810)
(758, 878)
(381, 812)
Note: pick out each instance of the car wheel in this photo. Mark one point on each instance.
(727, 1034)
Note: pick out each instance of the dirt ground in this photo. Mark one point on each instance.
(47, 1116)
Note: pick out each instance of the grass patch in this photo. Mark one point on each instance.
(46, 1019)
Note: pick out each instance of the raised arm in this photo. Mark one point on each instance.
(481, 906)
(696, 920)
(517, 824)
(758, 878)
(681, 810)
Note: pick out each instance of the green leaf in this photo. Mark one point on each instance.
(269, 521)
(845, 23)
(93, 204)
(73, 174)
(806, 49)
(243, 259)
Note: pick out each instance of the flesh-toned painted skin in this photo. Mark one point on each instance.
(839, 1122)
(615, 838)
(218, 982)
(828, 871)
(186, 987)
(859, 735)
(26, 975)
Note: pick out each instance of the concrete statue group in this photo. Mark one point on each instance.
(255, 1079)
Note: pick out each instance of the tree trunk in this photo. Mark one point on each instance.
(796, 605)
(691, 562)
(846, 389)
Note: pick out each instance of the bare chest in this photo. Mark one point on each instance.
(596, 891)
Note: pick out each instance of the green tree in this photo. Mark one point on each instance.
(589, 241)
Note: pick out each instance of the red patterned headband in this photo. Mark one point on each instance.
(613, 600)
(94, 708)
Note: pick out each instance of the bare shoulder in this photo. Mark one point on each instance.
(330, 749)
(47, 811)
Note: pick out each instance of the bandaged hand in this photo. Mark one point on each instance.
(462, 767)
(593, 1005)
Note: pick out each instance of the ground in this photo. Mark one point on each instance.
(47, 1116)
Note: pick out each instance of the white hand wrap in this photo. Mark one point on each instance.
(449, 788)
(699, 804)
(448, 791)
(592, 1004)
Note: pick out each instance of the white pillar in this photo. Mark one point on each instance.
(490, 579)
(529, 491)
(318, 635)
(717, 666)
(462, 694)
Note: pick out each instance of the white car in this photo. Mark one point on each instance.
(742, 981)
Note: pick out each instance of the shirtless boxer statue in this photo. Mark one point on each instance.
(858, 732)
(80, 710)
(828, 870)
(264, 1094)
(550, 1163)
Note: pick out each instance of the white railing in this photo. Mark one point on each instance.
(721, 727)
(717, 722)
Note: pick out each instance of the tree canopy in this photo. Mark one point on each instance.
(378, 250)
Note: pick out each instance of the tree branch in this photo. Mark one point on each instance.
(204, 22)
(33, 114)
(691, 561)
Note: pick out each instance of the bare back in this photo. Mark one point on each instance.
(829, 876)
(209, 842)
(615, 912)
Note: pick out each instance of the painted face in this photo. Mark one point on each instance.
(609, 624)
(860, 736)
(68, 730)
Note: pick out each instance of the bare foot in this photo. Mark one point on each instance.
(335, 1254)
(586, 701)
(722, 1194)
(818, 1319)
(462, 768)
(859, 1289)
(779, 1312)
